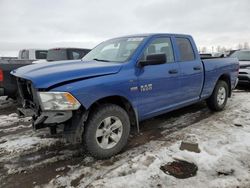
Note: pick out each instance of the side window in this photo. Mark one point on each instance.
(185, 49)
(41, 54)
(160, 46)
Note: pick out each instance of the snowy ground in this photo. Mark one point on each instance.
(36, 159)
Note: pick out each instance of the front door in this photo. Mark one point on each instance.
(158, 84)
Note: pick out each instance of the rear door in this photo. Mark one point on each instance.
(158, 84)
(191, 70)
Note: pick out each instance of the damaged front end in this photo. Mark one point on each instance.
(51, 109)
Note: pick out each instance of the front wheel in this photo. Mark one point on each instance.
(217, 101)
(107, 131)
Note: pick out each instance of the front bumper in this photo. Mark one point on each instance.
(46, 119)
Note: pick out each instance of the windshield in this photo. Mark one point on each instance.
(241, 55)
(114, 50)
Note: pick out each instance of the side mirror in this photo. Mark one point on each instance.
(154, 59)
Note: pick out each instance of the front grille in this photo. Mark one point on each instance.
(244, 78)
(242, 72)
(26, 92)
(244, 66)
(25, 89)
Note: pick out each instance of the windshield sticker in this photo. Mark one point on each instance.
(135, 39)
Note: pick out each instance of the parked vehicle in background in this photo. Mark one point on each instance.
(8, 58)
(206, 55)
(219, 54)
(244, 60)
(32, 54)
(8, 85)
(229, 52)
(118, 84)
(59, 54)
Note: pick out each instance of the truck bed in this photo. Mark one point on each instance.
(218, 66)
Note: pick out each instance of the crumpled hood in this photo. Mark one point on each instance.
(45, 75)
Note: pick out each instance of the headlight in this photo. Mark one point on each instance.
(58, 101)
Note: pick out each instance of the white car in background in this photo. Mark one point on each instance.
(32, 54)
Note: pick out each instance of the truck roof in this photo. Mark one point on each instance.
(155, 34)
(68, 48)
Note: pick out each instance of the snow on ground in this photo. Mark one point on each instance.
(19, 143)
(24, 143)
(35, 159)
(225, 148)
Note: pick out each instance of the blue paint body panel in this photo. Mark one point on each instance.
(91, 81)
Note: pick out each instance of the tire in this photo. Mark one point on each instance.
(102, 137)
(217, 101)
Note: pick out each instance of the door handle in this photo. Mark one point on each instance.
(197, 68)
(173, 71)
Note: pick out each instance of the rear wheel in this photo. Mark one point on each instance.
(107, 131)
(217, 101)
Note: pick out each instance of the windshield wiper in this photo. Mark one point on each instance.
(103, 60)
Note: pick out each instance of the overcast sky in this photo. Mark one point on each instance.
(85, 23)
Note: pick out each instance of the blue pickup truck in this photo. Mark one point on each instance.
(119, 83)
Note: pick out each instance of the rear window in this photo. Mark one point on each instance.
(185, 49)
(41, 54)
(57, 55)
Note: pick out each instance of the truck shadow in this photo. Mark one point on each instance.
(168, 123)
(160, 126)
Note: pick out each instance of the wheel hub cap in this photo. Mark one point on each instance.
(221, 95)
(109, 132)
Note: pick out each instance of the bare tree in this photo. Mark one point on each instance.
(240, 46)
(223, 49)
(204, 49)
(246, 45)
(218, 49)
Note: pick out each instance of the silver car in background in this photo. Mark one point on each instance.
(244, 61)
